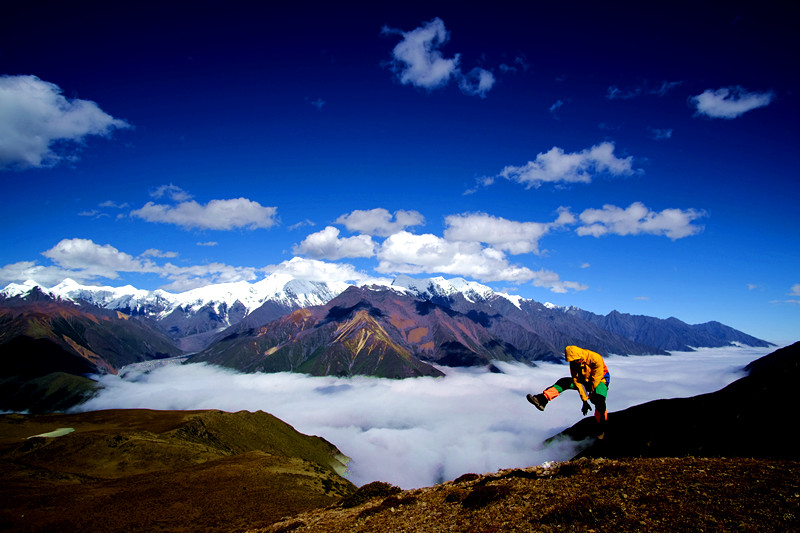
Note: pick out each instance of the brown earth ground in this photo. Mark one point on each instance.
(180, 471)
(142, 470)
(647, 495)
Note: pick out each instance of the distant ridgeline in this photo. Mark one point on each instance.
(51, 338)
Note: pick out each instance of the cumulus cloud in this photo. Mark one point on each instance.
(216, 214)
(500, 233)
(557, 166)
(729, 102)
(406, 253)
(327, 244)
(638, 219)
(36, 116)
(417, 432)
(23, 271)
(315, 270)
(417, 60)
(379, 221)
(94, 260)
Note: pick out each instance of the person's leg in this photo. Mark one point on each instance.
(598, 398)
(558, 387)
(550, 393)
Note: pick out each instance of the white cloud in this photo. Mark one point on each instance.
(637, 219)
(154, 252)
(327, 244)
(417, 60)
(94, 260)
(729, 102)
(406, 253)
(183, 278)
(379, 221)
(314, 270)
(417, 432)
(795, 290)
(84, 261)
(500, 233)
(208, 243)
(216, 214)
(36, 116)
(23, 271)
(556, 166)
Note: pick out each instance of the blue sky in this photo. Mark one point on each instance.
(639, 159)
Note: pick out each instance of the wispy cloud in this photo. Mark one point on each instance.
(417, 60)
(170, 191)
(417, 432)
(661, 134)
(37, 117)
(662, 89)
(318, 103)
(729, 102)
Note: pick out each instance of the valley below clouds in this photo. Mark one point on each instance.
(417, 432)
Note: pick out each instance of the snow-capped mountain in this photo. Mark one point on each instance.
(158, 304)
(438, 287)
(194, 316)
(197, 317)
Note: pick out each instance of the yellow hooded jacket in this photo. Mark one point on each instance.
(591, 372)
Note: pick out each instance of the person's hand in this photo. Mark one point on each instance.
(586, 408)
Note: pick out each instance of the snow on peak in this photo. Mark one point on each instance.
(20, 289)
(439, 286)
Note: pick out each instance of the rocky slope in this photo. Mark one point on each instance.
(47, 347)
(372, 331)
(644, 495)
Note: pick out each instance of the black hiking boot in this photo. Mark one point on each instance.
(539, 401)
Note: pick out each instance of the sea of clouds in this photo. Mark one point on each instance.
(417, 432)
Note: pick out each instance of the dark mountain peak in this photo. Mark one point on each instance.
(339, 313)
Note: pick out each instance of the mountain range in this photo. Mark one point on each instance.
(404, 329)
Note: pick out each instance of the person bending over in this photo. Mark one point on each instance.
(589, 376)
